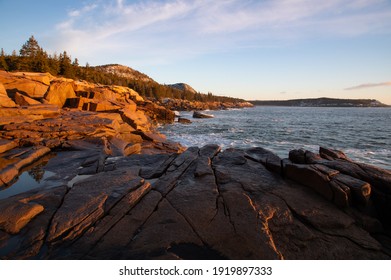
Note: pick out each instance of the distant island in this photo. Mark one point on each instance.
(321, 102)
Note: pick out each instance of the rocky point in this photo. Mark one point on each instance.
(116, 189)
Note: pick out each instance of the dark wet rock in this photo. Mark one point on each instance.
(360, 190)
(270, 160)
(331, 154)
(158, 167)
(12, 162)
(311, 157)
(203, 203)
(184, 120)
(14, 215)
(310, 177)
(199, 115)
(297, 156)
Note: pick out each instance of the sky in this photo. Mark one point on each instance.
(256, 50)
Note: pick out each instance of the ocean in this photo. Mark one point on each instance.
(364, 134)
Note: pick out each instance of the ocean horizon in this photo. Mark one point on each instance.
(362, 133)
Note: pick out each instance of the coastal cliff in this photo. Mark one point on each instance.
(119, 190)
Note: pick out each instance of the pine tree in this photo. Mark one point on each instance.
(29, 53)
(54, 64)
(75, 63)
(30, 48)
(40, 61)
(13, 61)
(3, 62)
(66, 68)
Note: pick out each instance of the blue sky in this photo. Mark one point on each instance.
(267, 49)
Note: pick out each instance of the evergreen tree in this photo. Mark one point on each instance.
(75, 63)
(3, 62)
(32, 57)
(54, 64)
(40, 61)
(30, 48)
(66, 68)
(13, 61)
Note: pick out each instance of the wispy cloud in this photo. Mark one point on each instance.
(370, 85)
(83, 10)
(172, 29)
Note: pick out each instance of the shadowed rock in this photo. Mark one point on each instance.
(199, 115)
(202, 203)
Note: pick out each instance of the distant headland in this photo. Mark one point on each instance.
(321, 102)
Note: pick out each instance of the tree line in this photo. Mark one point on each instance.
(33, 58)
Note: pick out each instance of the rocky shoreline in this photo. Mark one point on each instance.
(119, 190)
(200, 204)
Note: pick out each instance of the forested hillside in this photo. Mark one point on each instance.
(33, 58)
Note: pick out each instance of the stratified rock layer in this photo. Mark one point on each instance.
(40, 110)
(200, 204)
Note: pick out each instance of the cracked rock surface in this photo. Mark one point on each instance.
(201, 204)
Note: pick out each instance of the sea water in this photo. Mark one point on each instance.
(364, 134)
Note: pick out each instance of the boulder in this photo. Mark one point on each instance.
(6, 145)
(132, 149)
(103, 106)
(379, 180)
(14, 215)
(82, 87)
(8, 175)
(157, 113)
(5, 101)
(310, 177)
(23, 100)
(136, 119)
(128, 93)
(331, 154)
(34, 86)
(360, 190)
(297, 156)
(184, 120)
(44, 78)
(311, 157)
(342, 194)
(199, 115)
(59, 92)
(3, 92)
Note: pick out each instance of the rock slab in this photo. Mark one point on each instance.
(203, 203)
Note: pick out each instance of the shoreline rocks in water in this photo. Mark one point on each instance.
(186, 105)
(203, 203)
(199, 115)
